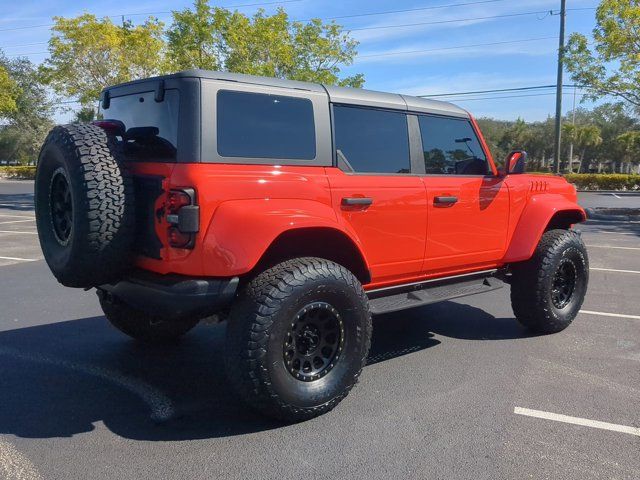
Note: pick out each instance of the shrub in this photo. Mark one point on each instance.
(19, 172)
(604, 181)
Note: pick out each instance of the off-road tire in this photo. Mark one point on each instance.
(146, 328)
(258, 324)
(533, 282)
(96, 248)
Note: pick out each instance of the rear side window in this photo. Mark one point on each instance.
(255, 125)
(149, 128)
(451, 147)
(372, 141)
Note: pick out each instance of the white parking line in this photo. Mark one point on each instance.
(17, 259)
(13, 231)
(18, 221)
(613, 270)
(14, 465)
(612, 246)
(15, 216)
(615, 195)
(585, 422)
(605, 314)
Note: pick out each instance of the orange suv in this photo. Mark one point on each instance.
(295, 211)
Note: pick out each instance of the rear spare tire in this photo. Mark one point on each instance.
(84, 206)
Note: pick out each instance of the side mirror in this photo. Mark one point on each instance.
(516, 162)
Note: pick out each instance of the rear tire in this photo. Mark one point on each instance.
(142, 326)
(547, 291)
(297, 338)
(84, 207)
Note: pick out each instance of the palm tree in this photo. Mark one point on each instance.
(583, 137)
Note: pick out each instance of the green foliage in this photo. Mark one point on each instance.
(18, 172)
(26, 126)
(613, 181)
(9, 91)
(269, 45)
(612, 65)
(87, 54)
(194, 38)
(596, 138)
(85, 115)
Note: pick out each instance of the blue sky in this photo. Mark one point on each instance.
(431, 65)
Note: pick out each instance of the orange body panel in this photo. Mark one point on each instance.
(392, 229)
(402, 235)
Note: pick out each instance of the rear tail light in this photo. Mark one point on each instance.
(178, 199)
(177, 239)
(184, 217)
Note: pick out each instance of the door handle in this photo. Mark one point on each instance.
(356, 202)
(445, 201)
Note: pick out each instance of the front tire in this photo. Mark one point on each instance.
(297, 338)
(547, 291)
(141, 326)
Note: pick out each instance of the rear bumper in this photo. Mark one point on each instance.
(174, 295)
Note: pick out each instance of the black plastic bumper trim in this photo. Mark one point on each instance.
(174, 295)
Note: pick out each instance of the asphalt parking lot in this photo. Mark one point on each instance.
(455, 390)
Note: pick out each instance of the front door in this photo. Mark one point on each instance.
(374, 193)
(468, 205)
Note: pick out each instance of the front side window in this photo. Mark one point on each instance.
(372, 141)
(256, 125)
(451, 146)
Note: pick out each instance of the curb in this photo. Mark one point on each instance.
(617, 214)
(617, 192)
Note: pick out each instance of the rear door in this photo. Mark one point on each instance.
(468, 205)
(374, 191)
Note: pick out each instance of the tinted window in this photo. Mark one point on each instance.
(451, 146)
(255, 125)
(150, 129)
(374, 141)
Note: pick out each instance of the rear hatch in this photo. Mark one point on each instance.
(145, 124)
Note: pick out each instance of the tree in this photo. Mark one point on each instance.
(27, 125)
(612, 65)
(269, 45)
(194, 38)
(88, 54)
(583, 137)
(85, 115)
(630, 147)
(9, 90)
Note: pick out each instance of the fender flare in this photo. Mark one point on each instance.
(533, 222)
(241, 231)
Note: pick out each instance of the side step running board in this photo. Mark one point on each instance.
(433, 294)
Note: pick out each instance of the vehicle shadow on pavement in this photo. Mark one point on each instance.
(60, 379)
(19, 202)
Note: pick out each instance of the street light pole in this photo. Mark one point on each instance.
(563, 13)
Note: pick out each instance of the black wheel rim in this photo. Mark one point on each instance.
(314, 342)
(564, 283)
(61, 206)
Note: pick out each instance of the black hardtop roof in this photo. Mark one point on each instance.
(344, 95)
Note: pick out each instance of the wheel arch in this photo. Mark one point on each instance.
(322, 242)
(542, 213)
(275, 230)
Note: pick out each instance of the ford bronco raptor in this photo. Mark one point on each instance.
(295, 211)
